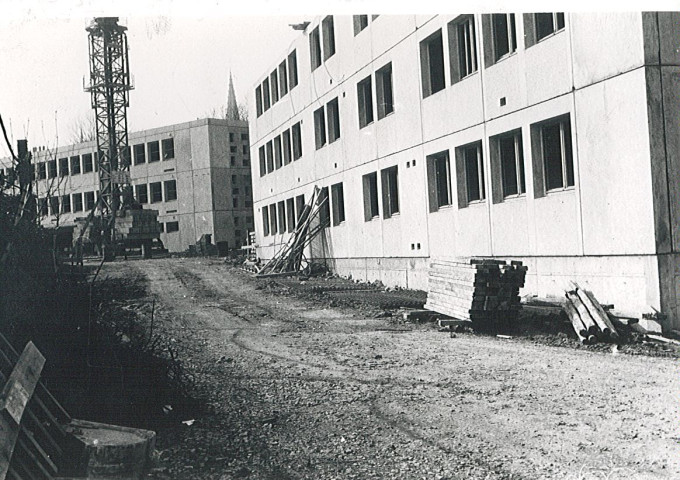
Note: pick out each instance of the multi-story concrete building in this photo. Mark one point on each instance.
(196, 174)
(550, 138)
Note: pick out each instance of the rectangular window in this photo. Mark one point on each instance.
(154, 151)
(87, 163)
(287, 152)
(244, 137)
(274, 81)
(232, 161)
(75, 165)
(168, 145)
(42, 171)
(140, 154)
(297, 141)
(63, 167)
(265, 94)
(142, 193)
(390, 191)
(432, 64)
(66, 204)
(234, 202)
(265, 220)
(52, 168)
(263, 161)
(333, 114)
(370, 182)
(273, 223)
(504, 34)
(231, 137)
(246, 162)
(170, 187)
(125, 157)
(315, 49)
(96, 156)
(270, 156)
(42, 207)
(556, 153)
(290, 212)
(282, 216)
(512, 164)
(365, 99)
(292, 70)
(258, 100)
(54, 205)
(319, 128)
(171, 227)
(547, 24)
(328, 37)
(383, 91)
(245, 149)
(234, 179)
(360, 22)
(299, 206)
(338, 198)
(278, 159)
(77, 202)
(89, 201)
(439, 180)
(233, 149)
(156, 192)
(325, 210)
(470, 174)
(463, 48)
(283, 79)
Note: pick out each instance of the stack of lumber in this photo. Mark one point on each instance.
(477, 289)
(591, 323)
(137, 223)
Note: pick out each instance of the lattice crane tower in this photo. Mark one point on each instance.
(109, 91)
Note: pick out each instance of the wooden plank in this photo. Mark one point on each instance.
(597, 312)
(576, 323)
(30, 440)
(586, 318)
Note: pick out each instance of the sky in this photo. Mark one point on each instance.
(181, 54)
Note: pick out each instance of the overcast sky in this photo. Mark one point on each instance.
(181, 53)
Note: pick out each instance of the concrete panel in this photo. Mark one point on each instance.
(510, 227)
(505, 80)
(442, 112)
(388, 30)
(556, 224)
(551, 58)
(614, 175)
(200, 147)
(472, 230)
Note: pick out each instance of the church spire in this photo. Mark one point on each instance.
(232, 107)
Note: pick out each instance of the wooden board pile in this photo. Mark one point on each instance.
(485, 291)
(591, 323)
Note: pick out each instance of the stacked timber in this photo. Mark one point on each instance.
(138, 223)
(589, 320)
(477, 289)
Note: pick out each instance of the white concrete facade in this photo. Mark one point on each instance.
(594, 94)
(206, 162)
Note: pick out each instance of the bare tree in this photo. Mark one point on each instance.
(243, 112)
(83, 129)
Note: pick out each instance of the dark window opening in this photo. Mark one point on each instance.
(63, 167)
(328, 37)
(140, 154)
(557, 155)
(390, 191)
(265, 94)
(383, 91)
(170, 190)
(66, 204)
(270, 156)
(168, 145)
(287, 152)
(292, 70)
(319, 128)
(297, 141)
(274, 81)
(432, 64)
(360, 22)
(315, 49)
(258, 100)
(283, 79)
(439, 180)
(75, 165)
(265, 220)
(370, 182)
(77, 202)
(512, 164)
(142, 193)
(171, 227)
(474, 172)
(273, 224)
(263, 161)
(89, 201)
(282, 216)
(333, 114)
(365, 98)
(338, 198)
(278, 160)
(504, 34)
(548, 23)
(154, 151)
(156, 192)
(325, 210)
(290, 212)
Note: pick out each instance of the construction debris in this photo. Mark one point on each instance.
(484, 291)
(589, 320)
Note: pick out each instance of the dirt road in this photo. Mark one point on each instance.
(298, 391)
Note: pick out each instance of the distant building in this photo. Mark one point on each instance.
(549, 137)
(196, 174)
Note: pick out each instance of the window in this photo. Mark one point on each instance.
(333, 113)
(154, 152)
(75, 165)
(258, 100)
(244, 137)
(299, 206)
(42, 171)
(274, 81)
(142, 193)
(231, 137)
(272, 219)
(278, 160)
(265, 94)
(140, 154)
(77, 202)
(370, 182)
(548, 23)
(52, 168)
(171, 227)
(125, 156)
(263, 161)
(63, 167)
(290, 211)
(286, 147)
(470, 177)
(439, 180)
(365, 99)
(315, 49)
(325, 210)
(283, 79)
(462, 48)
(270, 156)
(383, 91)
(96, 156)
(234, 202)
(168, 145)
(89, 201)
(432, 64)
(235, 191)
(66, 204)
(87, 163)
(319, 128)
(170, 187)
(338, 198)
(54, 205)
(292, 70)
(282, 217)
(551, 144)
(508, 158)
(244, 149)
(265, 220)
(232, 161)
(504, 34)
(233, 149)
(234, 179)
(297, 141)
(360, 22)
(245, 162)
(42, 207)
(156, 192)
(328, 37)
(390, 191)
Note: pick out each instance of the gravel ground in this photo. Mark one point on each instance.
(293, 388)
